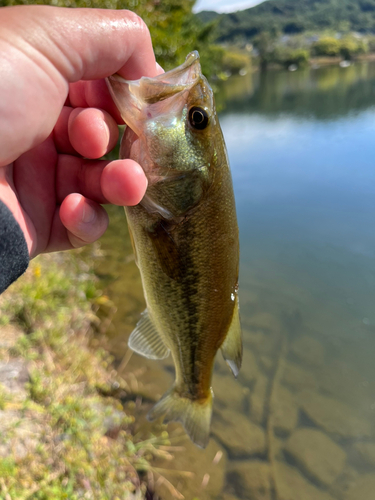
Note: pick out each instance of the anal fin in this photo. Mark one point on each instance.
(232, 345)
(146, 341)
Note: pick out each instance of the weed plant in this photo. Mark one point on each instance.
(60, 437)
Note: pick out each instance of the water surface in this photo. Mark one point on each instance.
(299, 422)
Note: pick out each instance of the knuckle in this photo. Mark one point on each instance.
(137, 22)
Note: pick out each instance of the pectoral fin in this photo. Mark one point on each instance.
(170, 256)
(146, 341)
(232, 345)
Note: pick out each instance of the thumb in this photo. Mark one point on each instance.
(43, 49)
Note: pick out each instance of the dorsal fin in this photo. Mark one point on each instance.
(146, 341)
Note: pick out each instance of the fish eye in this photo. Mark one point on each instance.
(198, 118)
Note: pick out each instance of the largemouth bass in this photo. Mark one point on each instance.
(185, 236)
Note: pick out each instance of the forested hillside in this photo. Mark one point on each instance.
(294, 16)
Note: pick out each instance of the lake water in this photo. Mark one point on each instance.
(298, 424)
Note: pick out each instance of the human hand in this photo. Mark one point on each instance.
(57, 119)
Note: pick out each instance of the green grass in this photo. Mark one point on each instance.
(82, 445)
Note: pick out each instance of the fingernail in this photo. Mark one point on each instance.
(88, 214)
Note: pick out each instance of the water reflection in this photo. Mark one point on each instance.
(299, 422)
(323, 93)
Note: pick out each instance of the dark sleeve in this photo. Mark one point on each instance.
(14, 255)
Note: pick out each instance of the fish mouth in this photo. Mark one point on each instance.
(151, 90)
(185, 74)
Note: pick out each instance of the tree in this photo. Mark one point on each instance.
(327, 46)
(350, 47)
(265, 45)
(297, 16)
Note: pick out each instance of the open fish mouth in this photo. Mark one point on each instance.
(148, 90)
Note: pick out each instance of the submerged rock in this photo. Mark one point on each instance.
(249, 369)
(228, 392)
(258, 399)
(251, 479)
(308, 350)
(284, 411)
(334, 416)
(262, 322)
(367, 452)
(261, 331)
(344, 482)
(257, 340)
(316, 454)
(291, 485)
(298, 378)
(277, 446)
(341, 381)
(194, 473)
(266, 363)
(147, 380)
(362, 489)
(240, 437)
(228, 496)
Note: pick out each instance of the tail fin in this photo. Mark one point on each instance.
(195, 415)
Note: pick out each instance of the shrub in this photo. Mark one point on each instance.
(371, 44)
(300, 57)
(234, 61)
(327, 46)
(285, 56)
(351, 47)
